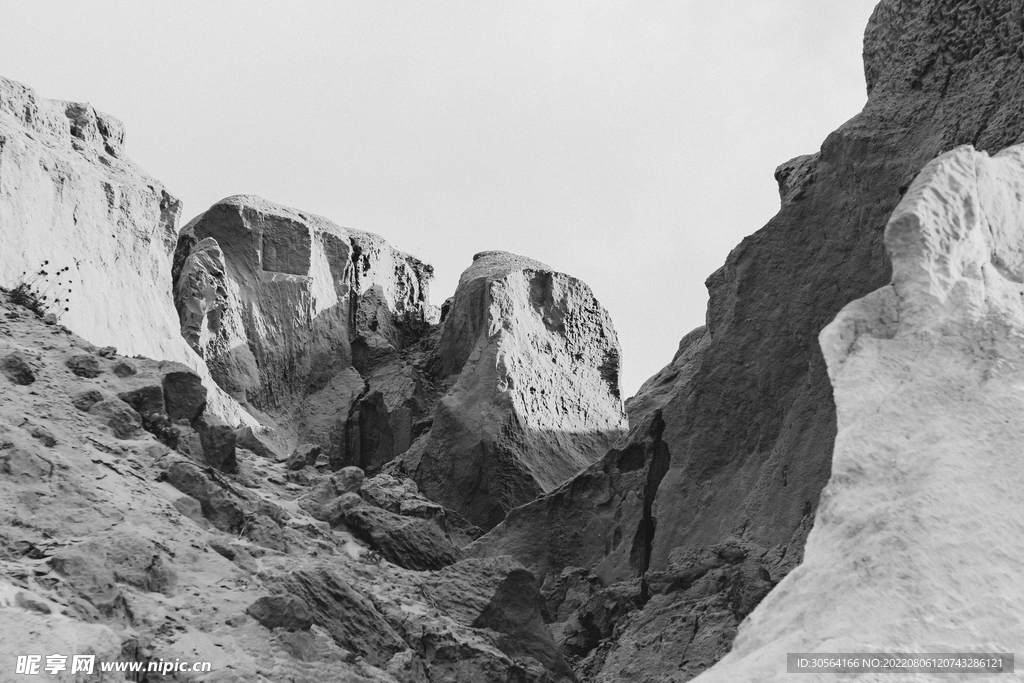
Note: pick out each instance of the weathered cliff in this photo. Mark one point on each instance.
(70, 198)
(747, 409)
(926, 479)
(535, 396)
(286, 308)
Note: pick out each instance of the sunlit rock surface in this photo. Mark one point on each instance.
(536, 397)
(70, 198)
(274, 299)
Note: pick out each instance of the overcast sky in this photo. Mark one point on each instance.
(631, 144)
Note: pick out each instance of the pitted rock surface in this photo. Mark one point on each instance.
(536, 398)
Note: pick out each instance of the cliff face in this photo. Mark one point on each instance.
(927, 377)
(536, 397)
(70, 197)
(286, 308)
(749, 421)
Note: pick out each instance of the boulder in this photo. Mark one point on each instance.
(349, 479)
(218, 442)
(246, 438)
(927, 374)
(184, 395)
(496, 594)
(124, 422)
(16, 368)
(84, 400)
(124, 368)
(346, 614)
(536, 393)
(406, 541)
(303, 456)
(84, 365)
(288, 612)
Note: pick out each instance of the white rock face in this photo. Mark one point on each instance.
(914, 548)
(70, 197)
(537, 394)
(274, 298)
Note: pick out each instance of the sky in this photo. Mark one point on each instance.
(629, 144)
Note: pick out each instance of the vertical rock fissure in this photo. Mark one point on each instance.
(643, 540)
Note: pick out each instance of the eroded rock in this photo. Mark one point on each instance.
(536, 398)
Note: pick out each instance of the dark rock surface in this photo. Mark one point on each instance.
(409, 542)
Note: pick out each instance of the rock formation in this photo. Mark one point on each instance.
(746, 407)
(925, 475)
(535, 393)
(119, 539)
(70, 199)
(273, 299)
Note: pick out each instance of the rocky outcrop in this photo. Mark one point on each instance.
(749, 422)
(926, 373)
(273, 299)
(103, 537)
(89, 230)
(535, 396)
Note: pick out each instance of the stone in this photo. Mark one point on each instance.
(124, 368)
(327, 502)
(16, 368)
(184, 395)
(190, 507)
(246, 438)
(218, 441)
(408, 542)
(43, 436)
(926, 373)
(346, 614)
(84, 400)
(498, 595)
(89, 576)
(303, 456)
(289, 612)
(124, 422)
(264, 531)
(137, 562)
(349, 479)
(147, 400)
(84, 365)
(536, 398)
(224, 510)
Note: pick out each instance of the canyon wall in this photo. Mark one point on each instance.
(733, 440)
(926, 480)
(71, 199)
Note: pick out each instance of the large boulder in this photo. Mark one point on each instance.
(272, 299)
(926, 475)
(79, 219)
(536, 398)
